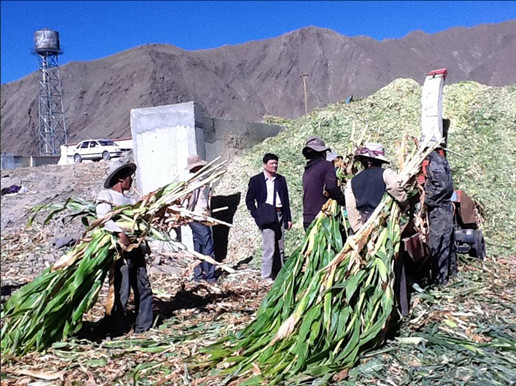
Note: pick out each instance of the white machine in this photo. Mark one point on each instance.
(431, 108)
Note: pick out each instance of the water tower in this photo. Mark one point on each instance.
(52, 128)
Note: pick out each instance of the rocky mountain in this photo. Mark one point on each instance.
(249, 81)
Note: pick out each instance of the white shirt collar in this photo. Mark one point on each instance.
(267, 178)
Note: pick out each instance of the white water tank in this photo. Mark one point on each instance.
(46, 41)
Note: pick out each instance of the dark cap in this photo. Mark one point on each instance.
(315, 143)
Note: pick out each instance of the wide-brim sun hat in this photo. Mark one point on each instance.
(372, 150)
(331, 155)
(194, 161)
(316, 144)
(115, 170)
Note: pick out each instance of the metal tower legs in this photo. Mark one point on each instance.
(52, 127)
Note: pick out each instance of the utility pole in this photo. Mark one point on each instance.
(306, 95)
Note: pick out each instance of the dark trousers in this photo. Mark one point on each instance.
(131, 272)
(203, 243)
(364, 216)
(401, 287)
(444, 259)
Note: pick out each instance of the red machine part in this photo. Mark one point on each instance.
(441, 71)
(468, 212)
(421, 178)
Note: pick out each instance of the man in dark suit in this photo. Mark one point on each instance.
(268, 191)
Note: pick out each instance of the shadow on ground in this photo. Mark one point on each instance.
(184, 299)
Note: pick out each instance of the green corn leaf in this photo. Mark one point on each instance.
(353, 283)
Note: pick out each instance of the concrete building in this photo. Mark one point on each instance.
(164, 137)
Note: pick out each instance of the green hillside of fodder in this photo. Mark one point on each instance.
(482, 137)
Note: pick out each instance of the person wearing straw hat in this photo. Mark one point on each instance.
(130, 269)
(366, 189)
(319, 179)
(198, 203)
(363, 194)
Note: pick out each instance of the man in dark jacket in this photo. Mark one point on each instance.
(438, 193)
(270, 189)
(319, 177)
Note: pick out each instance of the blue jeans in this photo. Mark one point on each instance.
(203, 243)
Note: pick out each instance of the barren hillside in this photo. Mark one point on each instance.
(252, 80)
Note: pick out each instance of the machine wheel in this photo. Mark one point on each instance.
(77, 158)
(479, 248)
(106, 156)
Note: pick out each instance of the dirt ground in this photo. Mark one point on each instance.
(178, 301)
(45, 184)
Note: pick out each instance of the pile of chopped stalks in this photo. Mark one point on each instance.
(481, 140)
(332, 301)
(477, 308)
(50, 308)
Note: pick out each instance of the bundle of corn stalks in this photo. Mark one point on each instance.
(50, 308)
(332, 301)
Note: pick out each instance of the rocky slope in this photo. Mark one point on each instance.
(252, 80)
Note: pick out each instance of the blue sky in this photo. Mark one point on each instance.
(96, 29)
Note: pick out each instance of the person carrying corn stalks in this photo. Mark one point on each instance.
(366, 189)
(363, 194)
(129, 270)
(201, 234)
(319, 180)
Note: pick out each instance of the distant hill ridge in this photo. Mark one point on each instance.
(251, 80)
